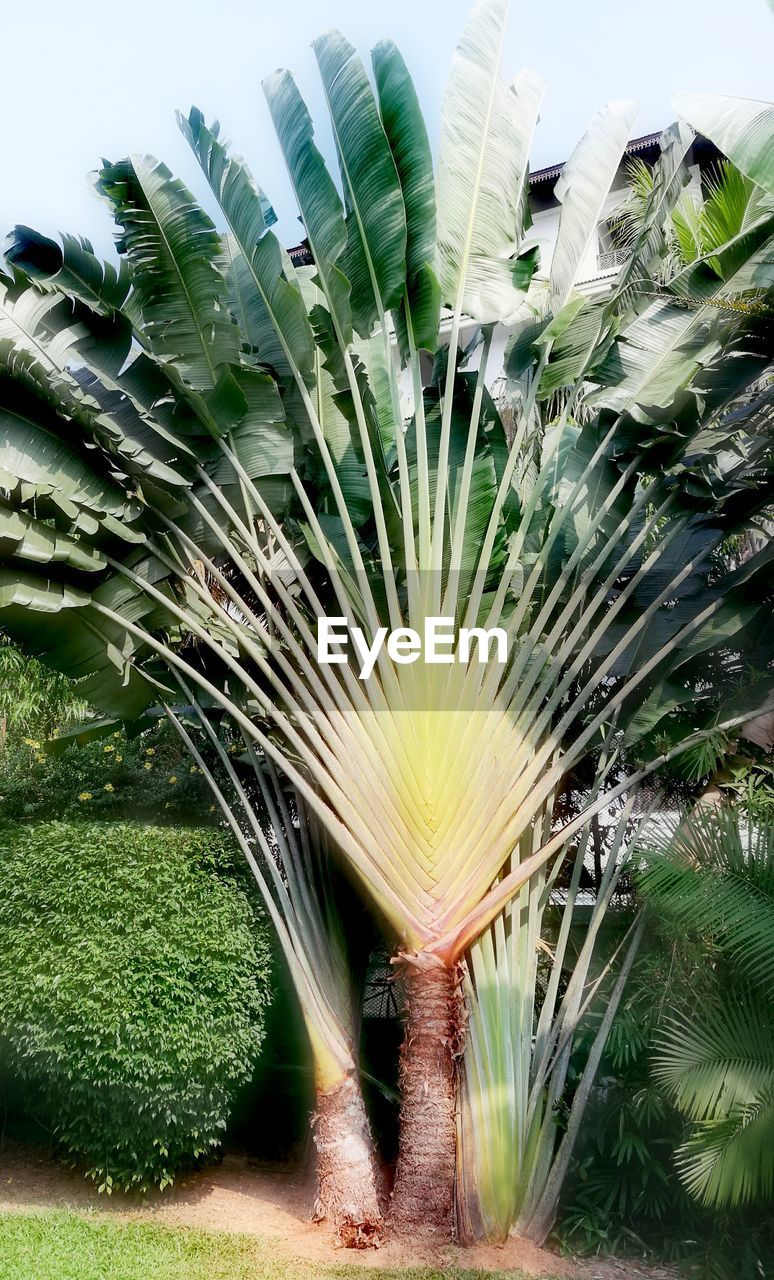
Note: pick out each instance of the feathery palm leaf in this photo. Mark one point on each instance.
(715, 876)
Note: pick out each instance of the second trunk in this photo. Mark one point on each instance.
(348, 1191)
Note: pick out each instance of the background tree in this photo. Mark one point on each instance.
(34, 700)
(702, 219)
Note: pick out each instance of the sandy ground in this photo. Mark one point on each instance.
(274, 1203)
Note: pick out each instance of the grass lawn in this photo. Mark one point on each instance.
(58, 1245)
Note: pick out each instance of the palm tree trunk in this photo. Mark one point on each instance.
(348, 1185)
(423, 1198)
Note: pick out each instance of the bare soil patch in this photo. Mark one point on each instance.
(275, 1203)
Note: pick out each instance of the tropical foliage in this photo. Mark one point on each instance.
(715, 879)
(704, 218)
(143, 778)
(34, 700)
(205, 450)
(623, 1194)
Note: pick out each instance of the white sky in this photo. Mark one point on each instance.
(84, 79)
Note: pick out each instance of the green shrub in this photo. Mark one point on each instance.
(147, 778)
(133, 987)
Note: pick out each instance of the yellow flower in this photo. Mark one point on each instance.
(172, 779)
(85, 795)
(30, 742)
(119, 759)
(194, 768)
(39, 756)
(118, 734)
(150, 751)
(108, 748)
(212, 808)
(147, 765)
(109, 786)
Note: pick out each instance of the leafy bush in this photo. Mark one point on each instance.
(104, 774)
(133, 987)
(144, 778)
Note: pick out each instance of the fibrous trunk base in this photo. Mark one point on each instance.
(347, 1193)
(423, 1199)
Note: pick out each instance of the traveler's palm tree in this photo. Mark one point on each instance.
(207, 450)
(714, 877)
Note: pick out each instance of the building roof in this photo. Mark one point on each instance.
(301, 255)
(544, 179)
(552, 171)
